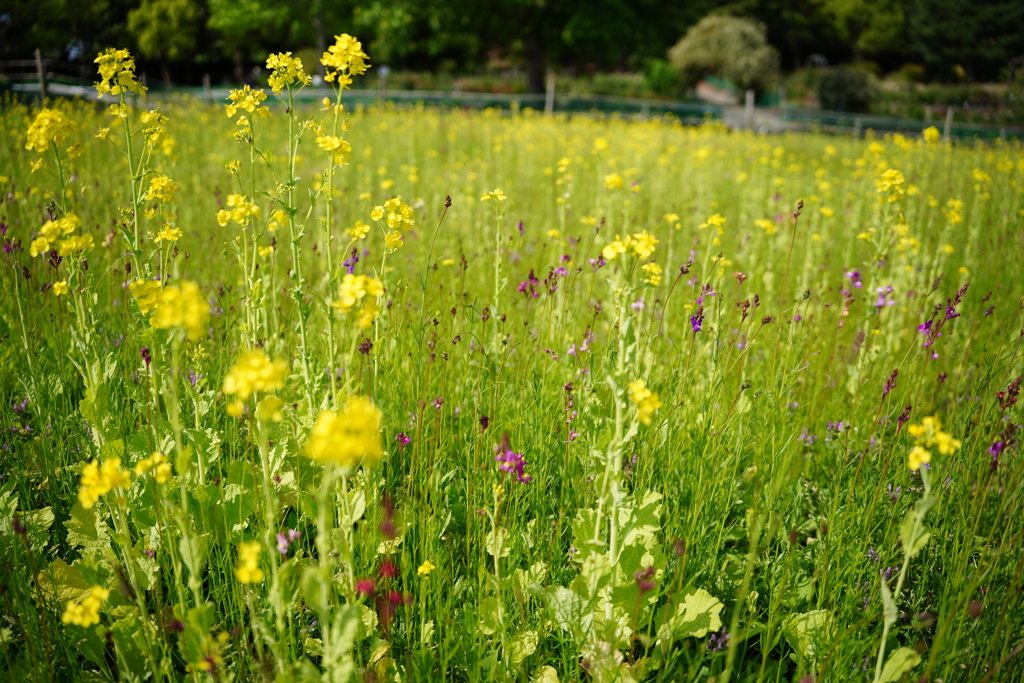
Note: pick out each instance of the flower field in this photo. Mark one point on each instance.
(293, 391)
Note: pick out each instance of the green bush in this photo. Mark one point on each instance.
(732, 48)
(845, 89)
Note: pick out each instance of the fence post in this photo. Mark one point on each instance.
(42, 76)
(927, 114)
(858, 127)
(1002, 134)
(207, 91)
(549, 93)
(948, 130)
(748, 111)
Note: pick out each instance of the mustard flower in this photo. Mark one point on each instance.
(168, 234)
(929, 434)
(349, 438)
(425, 568)
(248, 100)
(339, 148)
(161, 187)
(75, 243)
(646, 400)
(241, 210)
(496, 194)
(157, 462)
(117, 73)
(99, 480)
(60, 288)
(354, 288)
(891, 183)
(652, 273)
(643, 244)
(254, 372)
(183, 307)
(344, 59)
(247, 568)
(146, 293)
(50, 126)
(86, 612)
(285, 71)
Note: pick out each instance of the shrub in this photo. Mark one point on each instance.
(733, 48)
(845, 89)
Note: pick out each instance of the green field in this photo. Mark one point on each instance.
(646, 402)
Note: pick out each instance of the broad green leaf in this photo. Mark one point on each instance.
(87, 530)
(38, 523)
(919, 544)
(808, 633)
(489, 616)
(695, 617)
(64, 581)
(569, 610)
(497, 543)
(546, 674)
(193, 552)
(522, 646)
(900, 662)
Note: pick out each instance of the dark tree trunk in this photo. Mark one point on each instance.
(535, 63)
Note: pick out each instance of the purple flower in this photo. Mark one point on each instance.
(855, 280)
(351, 261)
(884, 297)
(509, 461)
(402, 440)
(807, 438)
(638, 305)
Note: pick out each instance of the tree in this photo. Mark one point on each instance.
(733, 48)
(164, 30)
(978, 35)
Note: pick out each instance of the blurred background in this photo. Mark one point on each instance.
(906, 58)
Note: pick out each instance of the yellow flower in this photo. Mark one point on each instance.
(99, 480)
(161, 187)
(643, 244)
(269, 409)
(356, 287)
(496, 194)
(286, 70)
(60, 287)
(646, 400)
(248, 100)
(377, 213)
(348, 439)
(615, 247)
(169, 233)
(233, 167)
(768, 226)
(393, 240)
(103, 133)
(717, 221)
(255, 372)
(146, 293)
(892, 183)
(247, 568)
(48, 126)
(826, 212)
(652, 273)
(240, 212)
(344, 59)
(931, 135)
(117, 73)
(86, 612)
(157, 462)
(359, 231)
(338, 147)
(266, 251)
(929, 434)
(183, 307)
(613, 181)
(425, 568)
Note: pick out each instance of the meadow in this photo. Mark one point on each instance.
(299, 392)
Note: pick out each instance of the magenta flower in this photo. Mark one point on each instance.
(511, 462)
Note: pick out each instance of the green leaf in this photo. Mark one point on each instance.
(644, 520)
(63, 581)
(38, 523)
(316, 588)
(489, 616)
(546, 674)
(919, 544)
(808, 633)
(698, 615)
(87, 530)
(900, 662)
(569, 610)
(889, 611)
(522, 646)
(497, 543)
(583, 535)
(193, 552)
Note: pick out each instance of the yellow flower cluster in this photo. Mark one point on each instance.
(146, 293)
(929, 434)
(356, 288)
(49, 126)
(241, 210)
(954, 211)
(60, 288)
(99, 480)
(496, 194)
(425, 568)
(248, 100)
(338, 147)
(642, 244)
(157, 462)
(717, 221)
(254, 372)
(769, 227)
(359, 231)
(613, 181)
(52, 230)
(168, 233)
(652, 273)
(348, 439)
(117, 73)
(891, 183)
(931, 135)
(161, 187)
(286, 70)
(247, 569)
(86, 611)
(344, 59)
(646, 400)
(182, 307)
